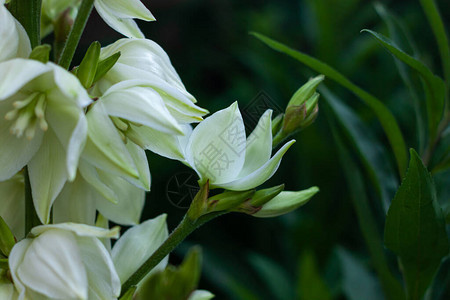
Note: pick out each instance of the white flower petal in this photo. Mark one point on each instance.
(259, 176)
(137, 245)
(90, 175)
(170, 146)
(285, 202)
(79, 230)
(70, 86)
(259, 145)
(127, 27)
(16, 73)
(145, 55)
(128, 209)
(14, 260)
(47, 170)
(216, 148)
(12, 205)
(70, 125)
(14, 41)
(140, 160)
(75, 203)
(104, 283)
(201, 295)
(133, 9)
(140, 105)
(15, 152)
(53, 267)
(7, 291)
(104, 147)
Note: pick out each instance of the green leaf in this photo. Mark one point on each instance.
(105, 65)
(434, 86)
(437, 25)
(274, 277)
(357, 281)
(366, 220)
(373, 155)
(88, 66)
(385, 117)
(310, 283)
(7, 240)
(129, 294)
(174, 283)
(415, 228)
(401, 36)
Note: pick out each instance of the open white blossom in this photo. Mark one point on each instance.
(64, 261)
(14, 40)
(118, 14)
(219, 151)
(42, 125)
(145, 61)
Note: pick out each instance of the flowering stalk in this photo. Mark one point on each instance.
(76, 32)
(181, 232)
(28, 13)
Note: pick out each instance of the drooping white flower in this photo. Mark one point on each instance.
(64, 261)
(118, 14)
(147, 62)
(219, 151)
(42, 125)
(14, 41)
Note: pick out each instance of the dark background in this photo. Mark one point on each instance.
(219, 63)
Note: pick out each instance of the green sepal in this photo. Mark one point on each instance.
(261, 197)
(229, 200)
(199, 204)
(88, 67)
(105, 65)
(7, 240)
(276, 124)
(41, 53)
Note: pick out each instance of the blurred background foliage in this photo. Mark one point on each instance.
(317, 252)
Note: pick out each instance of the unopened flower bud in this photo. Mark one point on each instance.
(88, 67)
(306, 91)
(229, 200)
(258, 199)
(41, 53)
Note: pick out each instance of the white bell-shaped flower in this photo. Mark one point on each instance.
(42, 125)
(219, 151)
(147, 62)
(14, 41)
(64, 261)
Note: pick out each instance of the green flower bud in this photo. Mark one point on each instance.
(258, 199)
(304, 93)
(88, 67)
(229, 200)
(277, 122)
(41, 53)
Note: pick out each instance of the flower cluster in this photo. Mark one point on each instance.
(72, 146)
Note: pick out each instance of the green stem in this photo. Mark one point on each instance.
(31, 218)
(76, 32)
(28, 13)
(185, 228)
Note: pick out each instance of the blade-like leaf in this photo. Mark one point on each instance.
(366, 220)
(373, 155)
(401, 36)
(437, 25)
(310, 282)
(385, 117)
(433, 85)
(415, 228)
